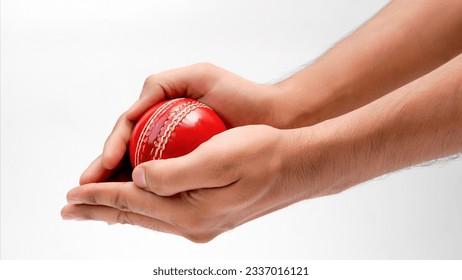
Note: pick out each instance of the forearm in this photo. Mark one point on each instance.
(416, 123)
(402, 42)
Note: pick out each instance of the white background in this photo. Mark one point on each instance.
(69, 68)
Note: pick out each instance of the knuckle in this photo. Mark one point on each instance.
(151, 79)
(205, 66)
(124, 218)
(151, 82)
(92, 197)
(119, 201)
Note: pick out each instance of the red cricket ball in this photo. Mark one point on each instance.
(172, 128)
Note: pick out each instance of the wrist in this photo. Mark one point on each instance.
(327, 158)
(417, 123)
(308, 162)
(312, 96)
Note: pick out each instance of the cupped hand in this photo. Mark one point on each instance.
(234, 177)
(237, 101)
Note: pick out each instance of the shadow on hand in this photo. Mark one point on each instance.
(123, 172)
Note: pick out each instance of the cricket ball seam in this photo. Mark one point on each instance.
(172, 128)
(164, 133)
(157, 143)
(144, 135)
(174, 123)
(146, 130)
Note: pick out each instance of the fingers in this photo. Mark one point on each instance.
(113, 216)
(218, 186)
(191, 81)
(125, 197)
(126, 203)
(114, 151)
(202, 168)
(221, 161)
(151, 94)
(171, 84)
(95, 172)
(116, 144)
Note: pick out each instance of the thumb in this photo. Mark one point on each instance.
(205, 167)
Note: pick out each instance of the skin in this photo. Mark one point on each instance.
(395, 103)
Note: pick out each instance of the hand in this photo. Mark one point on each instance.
(236, 100)
(249, 171)
(342, 80)
(234, 177)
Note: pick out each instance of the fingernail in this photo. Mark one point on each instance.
(138, 177)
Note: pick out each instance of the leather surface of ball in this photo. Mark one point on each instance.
(172, 128)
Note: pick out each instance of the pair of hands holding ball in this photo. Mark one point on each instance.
(236, 176)
(380, 100)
